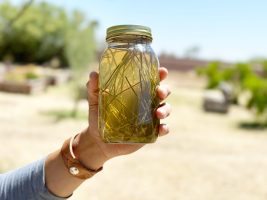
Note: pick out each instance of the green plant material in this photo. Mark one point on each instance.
(80, 52)
(23, 9)
(213, 73)
(42, 33)
(242, 77)
(258, 88)
(128, 81)
(36, 36)
(31, 76)
(80, 44)
(241, 72)
(216, 74)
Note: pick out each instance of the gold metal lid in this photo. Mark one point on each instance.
(119, 30)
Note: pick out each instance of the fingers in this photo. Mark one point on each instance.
(163, 111)
(163, 91)
(163, 73)
(163, 129)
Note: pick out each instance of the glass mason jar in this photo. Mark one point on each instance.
(128, 78)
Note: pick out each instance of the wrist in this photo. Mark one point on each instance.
(88, 151)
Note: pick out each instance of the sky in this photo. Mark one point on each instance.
(229, 30)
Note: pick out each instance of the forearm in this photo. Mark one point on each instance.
(58, 179)
(26, 183)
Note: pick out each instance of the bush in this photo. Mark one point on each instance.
(38, 35)
(213, 73)
(31, 76)
(258, 88)
(243, 79)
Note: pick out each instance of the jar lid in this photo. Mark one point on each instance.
(114, 31)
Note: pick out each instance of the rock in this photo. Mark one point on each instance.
(227, 90)
(215, 101)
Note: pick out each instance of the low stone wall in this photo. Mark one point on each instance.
(29, 87)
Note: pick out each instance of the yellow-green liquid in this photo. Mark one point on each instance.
(127, 96)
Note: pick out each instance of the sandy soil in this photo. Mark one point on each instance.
(206, 156)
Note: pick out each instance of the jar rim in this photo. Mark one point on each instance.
(120, 30)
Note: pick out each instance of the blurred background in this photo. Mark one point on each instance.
(216, 54)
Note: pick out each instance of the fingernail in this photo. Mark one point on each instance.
(162, 113)
(92, 74)
(167, 128)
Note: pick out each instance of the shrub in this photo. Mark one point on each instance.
(258, 88)
(31, 76)
(213, 73)
(39, 34)
(243, 79)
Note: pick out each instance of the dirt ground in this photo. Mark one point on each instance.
(205, 156)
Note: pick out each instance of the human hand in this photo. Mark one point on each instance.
(91, 138)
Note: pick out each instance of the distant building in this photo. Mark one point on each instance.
(188, 64)
(180, 64)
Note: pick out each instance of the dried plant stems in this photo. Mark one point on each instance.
(128, 82)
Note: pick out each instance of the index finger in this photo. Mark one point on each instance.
(163, 73)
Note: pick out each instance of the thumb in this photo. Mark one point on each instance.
(92, 92)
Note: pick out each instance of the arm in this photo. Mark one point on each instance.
(18, 184)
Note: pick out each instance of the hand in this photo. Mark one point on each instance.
(93, 152)
(91, 137)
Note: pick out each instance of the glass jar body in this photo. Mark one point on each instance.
(128, 77)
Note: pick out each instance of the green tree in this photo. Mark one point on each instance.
(39, 34)
(214, 73)
(80, 52)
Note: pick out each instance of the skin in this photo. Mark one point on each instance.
(93, 151)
